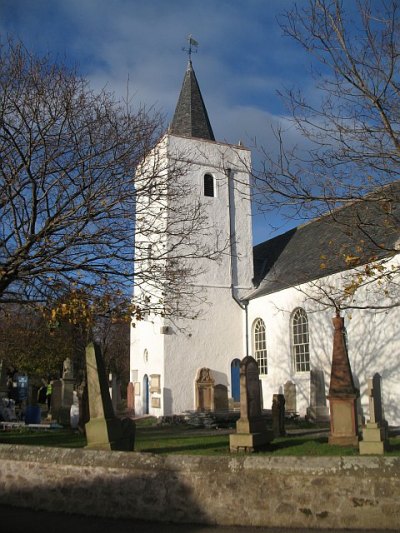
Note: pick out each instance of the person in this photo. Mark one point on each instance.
(42, 393)
(49, 392)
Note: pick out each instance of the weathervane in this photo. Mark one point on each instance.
(192, 42)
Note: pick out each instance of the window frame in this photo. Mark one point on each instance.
(209, 185)
(300, 341)
(260, 345)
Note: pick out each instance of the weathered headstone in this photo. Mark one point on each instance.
(318, 410)
(130, 399)
(342, 392)
(289, 390)
(104, 430)
(67, 390)
(278, 415)
(375, 434)
(56, 399)
(205, 390)
(251, 430)
(221, 398)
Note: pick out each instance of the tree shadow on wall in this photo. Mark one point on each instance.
(105, 500)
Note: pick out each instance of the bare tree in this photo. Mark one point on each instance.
(351, 134)
(72, 179)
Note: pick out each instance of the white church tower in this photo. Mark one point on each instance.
(192, 364)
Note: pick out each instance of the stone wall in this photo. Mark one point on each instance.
(328, 492)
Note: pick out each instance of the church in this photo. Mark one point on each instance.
(272, 301)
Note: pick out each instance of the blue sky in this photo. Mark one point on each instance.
(242, 61)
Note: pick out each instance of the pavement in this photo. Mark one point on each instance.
(21, 520)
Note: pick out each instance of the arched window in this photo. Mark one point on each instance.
(300, 341)
(260, 345)
(209, 185)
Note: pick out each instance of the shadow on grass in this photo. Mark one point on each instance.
(293, 442)
(212, 446)
(394, 446)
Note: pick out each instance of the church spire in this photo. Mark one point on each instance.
(191, 118)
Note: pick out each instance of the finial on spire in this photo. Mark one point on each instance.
(192, 43)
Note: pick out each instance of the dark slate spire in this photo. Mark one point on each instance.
(191, 118)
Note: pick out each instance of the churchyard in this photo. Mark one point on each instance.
(303, 439)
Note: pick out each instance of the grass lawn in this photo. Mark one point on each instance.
(182, 439)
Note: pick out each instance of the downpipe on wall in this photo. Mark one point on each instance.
(243, 304)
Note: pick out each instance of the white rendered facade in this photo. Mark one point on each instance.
(372, 340)
(168, 355)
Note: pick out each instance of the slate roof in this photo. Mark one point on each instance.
(191, 118)
(354, 235)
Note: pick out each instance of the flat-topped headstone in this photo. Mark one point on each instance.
(130, 398)
(221, 402)
(289, 390)
(251, 430)
(318, 410)
(56, 398)
(104, 430)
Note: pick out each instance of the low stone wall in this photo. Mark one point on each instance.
(309, 492)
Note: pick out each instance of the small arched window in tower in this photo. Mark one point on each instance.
(300, 341)
(209, 189)
(260, 346)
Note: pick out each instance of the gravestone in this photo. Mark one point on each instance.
(289, 390)
(56, 399)
(130, 399)
(251, 430)
(3, 380)
(204, 390)
(104, 430)
(74, 411)
(375, 434)
(221, 402)
(318, 410)
(278, 415)
(342, 392)
(67, 390)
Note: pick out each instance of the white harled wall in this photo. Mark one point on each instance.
(372, 337)
(217, 336)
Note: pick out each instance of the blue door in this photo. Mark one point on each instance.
(145, 395)
(235, 379)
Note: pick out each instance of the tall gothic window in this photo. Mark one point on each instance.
(300, 341)
(260, 346)
(209, 185)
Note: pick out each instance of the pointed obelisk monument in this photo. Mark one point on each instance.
(342, 392)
